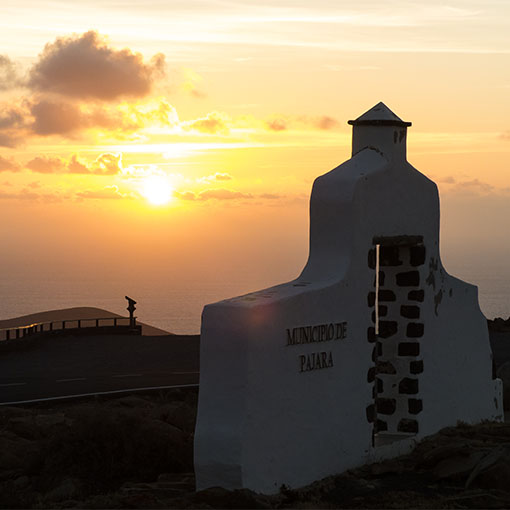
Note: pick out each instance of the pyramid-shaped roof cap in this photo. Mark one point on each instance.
(379, 115)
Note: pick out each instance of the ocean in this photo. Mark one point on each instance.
(177, 305)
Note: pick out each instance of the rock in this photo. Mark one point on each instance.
(46, 421)
(458, 466)
(133, 402)
(183, 417)
(15, 455)
(504, 374)
(487, 462)
(23, 426)
(141, 500)
(188, 478)
(217, 497)
(67, 489)
(496, 476)
(13, 412)
(22, 482)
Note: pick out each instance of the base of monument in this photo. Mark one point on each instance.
(382, 438)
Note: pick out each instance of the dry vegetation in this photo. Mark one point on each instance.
(136, 452)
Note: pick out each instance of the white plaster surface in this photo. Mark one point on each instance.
(263, 421)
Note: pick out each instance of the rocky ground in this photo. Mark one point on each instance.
(136, 452)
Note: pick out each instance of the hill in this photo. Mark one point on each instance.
(84, 312)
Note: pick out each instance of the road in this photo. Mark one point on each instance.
(63, 366)
(73, 365)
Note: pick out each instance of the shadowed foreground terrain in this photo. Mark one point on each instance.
(136, 452)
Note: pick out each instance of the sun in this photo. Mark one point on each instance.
(156, 189)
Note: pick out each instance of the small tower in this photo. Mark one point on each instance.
(380, 129)
(371, 348)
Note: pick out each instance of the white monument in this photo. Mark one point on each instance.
(373, 347)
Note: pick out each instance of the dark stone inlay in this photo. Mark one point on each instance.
(378, 346)
(387, 328)
(385, 367)
(416, 367)
(398, 240)
(415, 329)
(386, 295)
(416, 295)
(370, 410)
(386, 405)
(371, 299)
(381, 426)
(408, 279)
(371, 334)
(415, 405)
(374, 354)
(379, 385)
(389, 256)
(417, 255)
(371, 375)
(408, 425)
(383, 311)
(374, 392)
(410, 311)
(382, 277)
(408, 386)
(371, 258)
(409, 349)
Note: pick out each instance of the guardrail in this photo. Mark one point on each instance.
(101, 324)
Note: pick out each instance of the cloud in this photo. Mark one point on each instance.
(190, 81)
(283, 123)
(162, 113)
(9, 77)
(107, 163)
(449, 179)
(28, 194)
(222, 194)
(185, 195)
(46, 165)
(505, 136)
(107, 193)
(474, 186)
(85, 67)
(77, 167)
(12, 126)
(222, 177)
(277, 124)
(56, 118)
(325, 122)
(226, 194)
(216, 177)
(212, 194)
(212, 123)
(68, 119)
(270, 196)
(20, 195)
(8, 165)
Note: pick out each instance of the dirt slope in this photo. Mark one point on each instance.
(83, 312)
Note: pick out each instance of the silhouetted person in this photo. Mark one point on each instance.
(131, 309)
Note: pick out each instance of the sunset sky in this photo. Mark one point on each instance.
(167, 138)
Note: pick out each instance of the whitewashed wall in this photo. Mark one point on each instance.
(267, 414)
